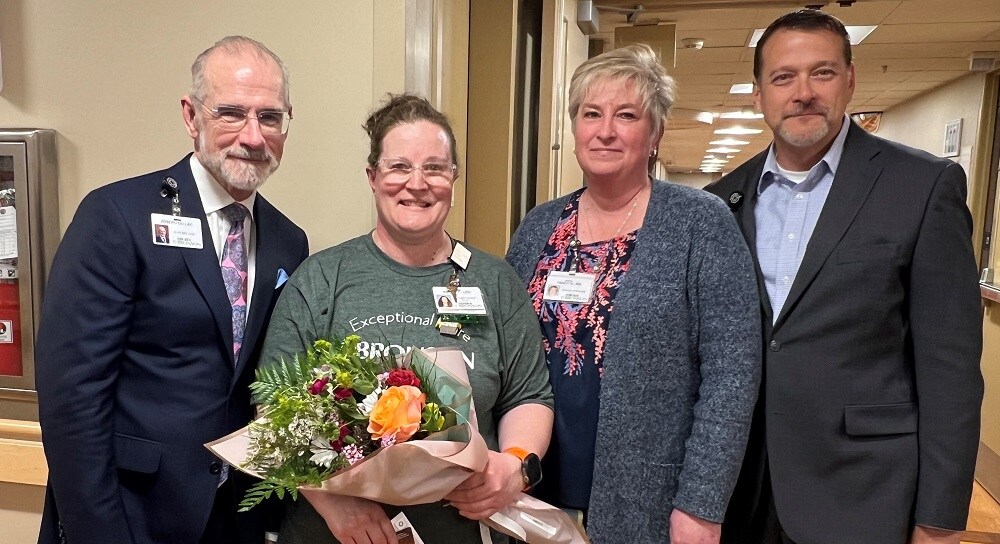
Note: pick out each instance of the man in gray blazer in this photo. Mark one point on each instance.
(868, 419)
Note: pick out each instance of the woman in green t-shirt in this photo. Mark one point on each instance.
(387, 287)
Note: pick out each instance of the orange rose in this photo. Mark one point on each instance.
(397, 413)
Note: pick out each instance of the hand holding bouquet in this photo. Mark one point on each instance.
(399, 432)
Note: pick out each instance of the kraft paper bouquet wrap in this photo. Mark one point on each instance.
(399, 432)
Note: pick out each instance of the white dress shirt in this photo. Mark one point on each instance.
(214, 198)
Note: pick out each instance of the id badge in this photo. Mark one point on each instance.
(465, 301)
(175, 231)
(572, 287)
(404, 531)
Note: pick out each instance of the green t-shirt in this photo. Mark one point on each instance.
(355, 288)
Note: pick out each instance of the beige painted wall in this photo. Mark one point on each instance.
(920, 123)
(108, 76)
(990, 434)
(109, 80)
(20, 506)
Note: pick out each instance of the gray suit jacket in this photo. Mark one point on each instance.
(682, 365)
(872, 385)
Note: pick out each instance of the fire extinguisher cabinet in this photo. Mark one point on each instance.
(29, 233)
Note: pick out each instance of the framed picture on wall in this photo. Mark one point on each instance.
(952, 138)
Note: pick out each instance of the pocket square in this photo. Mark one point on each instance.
(282, 278)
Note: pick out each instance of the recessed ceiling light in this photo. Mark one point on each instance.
(856, 33)
(724, 150)
(741, 115)
(738, 131)
(741, 88)
(729, 141)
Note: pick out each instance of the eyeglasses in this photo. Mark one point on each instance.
(234, 118)
(401, 170)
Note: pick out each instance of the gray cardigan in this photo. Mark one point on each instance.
(682, 365)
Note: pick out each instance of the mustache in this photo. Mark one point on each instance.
(808, 109)
(251, 155)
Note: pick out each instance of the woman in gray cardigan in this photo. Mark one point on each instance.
(647, 300)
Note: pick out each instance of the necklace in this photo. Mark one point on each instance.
(635, 202)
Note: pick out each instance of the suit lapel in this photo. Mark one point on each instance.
(748, 224)
(203, 264)
(267, 253)
(853, 182)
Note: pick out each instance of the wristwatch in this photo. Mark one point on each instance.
(531, 466)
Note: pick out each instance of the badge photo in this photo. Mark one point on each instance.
(572, 287)
(464, 301)
(175, 231)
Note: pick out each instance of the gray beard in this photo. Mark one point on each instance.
(803, 140)
(241, 176)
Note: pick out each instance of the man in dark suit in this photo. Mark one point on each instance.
(146, 351)
(868, 421)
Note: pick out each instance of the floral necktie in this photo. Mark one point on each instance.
(234, 271)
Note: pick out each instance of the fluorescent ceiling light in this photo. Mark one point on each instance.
(710, 170)
(738, 131)
(741, 88)
(705, 117)
(857, 34)
(729, 141)
(724, 150)
(741, 115)
(714, 161)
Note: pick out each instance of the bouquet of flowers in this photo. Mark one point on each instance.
(329, 409)
(341, 423)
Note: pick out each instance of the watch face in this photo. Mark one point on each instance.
(531, 469)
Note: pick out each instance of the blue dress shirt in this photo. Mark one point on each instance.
(786, 214)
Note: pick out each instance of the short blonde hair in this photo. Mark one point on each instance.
(637, 63)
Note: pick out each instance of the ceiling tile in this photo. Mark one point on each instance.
(918, 42)
(932, 32)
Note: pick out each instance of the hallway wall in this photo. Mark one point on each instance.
(108, 77)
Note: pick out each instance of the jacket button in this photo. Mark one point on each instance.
(775, 345)
(215, 467)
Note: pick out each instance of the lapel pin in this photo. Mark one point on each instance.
(735, 199)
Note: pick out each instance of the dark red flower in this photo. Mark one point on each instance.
(342, 393)
(338, 444)
(402, 376)
(318, 386)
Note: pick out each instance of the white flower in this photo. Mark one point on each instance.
(323, 453)
(368, 404)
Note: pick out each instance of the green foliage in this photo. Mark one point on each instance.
(312, 424)
(284, 480)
